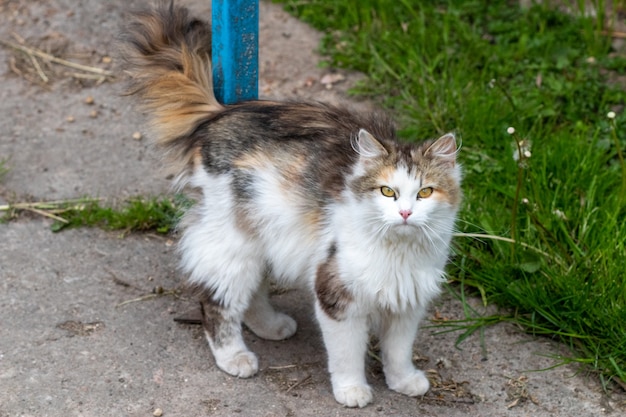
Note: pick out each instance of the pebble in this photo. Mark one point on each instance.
(329, 79)
(89, 100)
(157, 412)
(137, 136)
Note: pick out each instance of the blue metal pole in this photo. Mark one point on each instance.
(235, 50)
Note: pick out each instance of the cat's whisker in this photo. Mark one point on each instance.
(375, 237)
(430, 233)
(443, 247)
(379, 223)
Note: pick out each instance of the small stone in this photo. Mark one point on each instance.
(93, 114)
(330, 79)
(309, 82)
(89, 100)
(157, 412)
(70, 119)
(106, 59)
(137, 136)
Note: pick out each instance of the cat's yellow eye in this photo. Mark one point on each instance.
(387, 192)
(425, 192)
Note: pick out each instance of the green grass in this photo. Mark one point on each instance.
(160, 215)
(479, 67)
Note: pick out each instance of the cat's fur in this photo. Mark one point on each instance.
(295, 192)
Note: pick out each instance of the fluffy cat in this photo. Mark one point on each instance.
(300, 193)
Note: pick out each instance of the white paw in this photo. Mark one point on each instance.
(282, 327)
(242, 365)
(354, 396)
(279, 327)
(413, 384)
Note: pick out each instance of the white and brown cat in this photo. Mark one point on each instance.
(302, 193)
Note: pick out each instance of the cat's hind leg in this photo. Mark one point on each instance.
(227, 265)
(264, 321)
(222, 328)
(397, 335)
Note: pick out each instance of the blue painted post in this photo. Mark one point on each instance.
(235, 50)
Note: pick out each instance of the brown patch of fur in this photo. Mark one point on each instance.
(244, 222)
(312, 218)
(290, 173)
(448, 191)
(218, 327)
(293, 172)
(386, 173)
(253, 161)
(332, 295)
(211, 318)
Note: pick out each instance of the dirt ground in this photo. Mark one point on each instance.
(86, 316)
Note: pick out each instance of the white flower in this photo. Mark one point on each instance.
(521, 150)
(510, 130)
(611, 115)
(525, 201)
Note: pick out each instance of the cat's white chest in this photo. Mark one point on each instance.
(392, 278)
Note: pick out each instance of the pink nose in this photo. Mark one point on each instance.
(405, 214)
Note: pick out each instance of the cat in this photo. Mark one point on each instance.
(299, 193)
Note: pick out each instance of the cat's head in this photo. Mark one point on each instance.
(407, 189)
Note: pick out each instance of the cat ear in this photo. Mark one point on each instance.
(444, 148)
(367, 146)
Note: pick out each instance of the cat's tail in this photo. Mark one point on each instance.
(167, 53)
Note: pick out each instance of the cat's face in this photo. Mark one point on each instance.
(410, 189)
(405, 200)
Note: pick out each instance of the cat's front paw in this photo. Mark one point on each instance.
(413, 384)
(354, 395)
(241, 365)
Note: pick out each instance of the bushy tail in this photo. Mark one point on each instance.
(168, 55)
